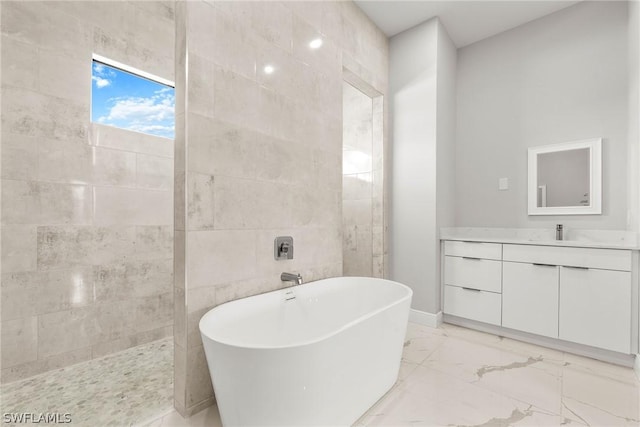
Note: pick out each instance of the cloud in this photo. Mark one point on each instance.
(152, 128)
(142, 109)
(102, 70)
(153, 114)
(100, 82)
(102, 75)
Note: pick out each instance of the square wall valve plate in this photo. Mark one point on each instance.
(283, 248)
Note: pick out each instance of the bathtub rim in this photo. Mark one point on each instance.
(317, 339)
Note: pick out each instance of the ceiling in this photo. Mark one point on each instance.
(465, 21)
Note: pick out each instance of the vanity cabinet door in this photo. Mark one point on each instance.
(595, 308)
(530, 298)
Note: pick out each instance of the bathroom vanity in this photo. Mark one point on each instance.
(577, 296)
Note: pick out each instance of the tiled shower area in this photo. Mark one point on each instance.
(88, 265)
(115, 242)
(130, 387)
(87, 219)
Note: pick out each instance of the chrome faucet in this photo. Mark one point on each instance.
(290, 277)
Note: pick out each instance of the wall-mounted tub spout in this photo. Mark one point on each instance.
(290, 277)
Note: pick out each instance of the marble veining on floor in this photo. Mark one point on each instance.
(452, 376)
(121, 389)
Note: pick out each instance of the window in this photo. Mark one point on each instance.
(127, 98)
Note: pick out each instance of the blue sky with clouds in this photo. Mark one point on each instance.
(131, 102)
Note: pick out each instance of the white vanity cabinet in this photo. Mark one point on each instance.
(581, 295)
(473, 281)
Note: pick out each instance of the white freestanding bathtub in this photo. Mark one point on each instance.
(320, 359)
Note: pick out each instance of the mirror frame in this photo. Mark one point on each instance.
(595, 182)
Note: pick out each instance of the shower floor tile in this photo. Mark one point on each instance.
(117, 390)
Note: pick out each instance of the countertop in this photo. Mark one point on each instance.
(584, 238)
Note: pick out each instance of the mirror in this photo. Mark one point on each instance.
(566, 179)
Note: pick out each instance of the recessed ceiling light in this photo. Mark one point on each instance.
(315, 43)
(268, 69)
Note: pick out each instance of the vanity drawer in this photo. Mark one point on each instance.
(473, 249)
(476, 273)
(606, 259)
(471, 304)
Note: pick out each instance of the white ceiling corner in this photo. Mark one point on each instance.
(466, 21)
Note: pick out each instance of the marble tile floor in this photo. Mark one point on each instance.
(117, 390)
(456, 376)
(452, 376)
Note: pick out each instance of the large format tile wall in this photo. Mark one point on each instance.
(258, 155)
(86, 209)
(362, 192)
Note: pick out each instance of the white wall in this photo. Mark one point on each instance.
(412, 83)
(633, 220)
(560, 78)
(446, 138)
(634, 119)
(416, 85)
